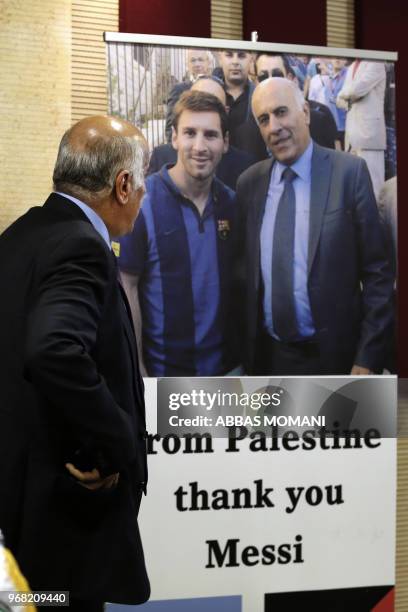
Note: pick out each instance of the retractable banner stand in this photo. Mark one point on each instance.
(266, 493)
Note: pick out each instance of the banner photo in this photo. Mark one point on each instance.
(257, 519)
(223, 279)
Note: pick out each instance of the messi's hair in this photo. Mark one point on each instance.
(200, 102)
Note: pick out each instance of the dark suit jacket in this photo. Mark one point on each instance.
(323, 131)
(232, 164)
(349, 280)
(70, 390)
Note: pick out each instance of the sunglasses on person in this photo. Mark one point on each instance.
(267, 74)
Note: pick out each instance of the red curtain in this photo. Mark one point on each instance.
(169, 17)
(302, 23)
(382, 24)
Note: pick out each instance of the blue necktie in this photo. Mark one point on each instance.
(283, 303)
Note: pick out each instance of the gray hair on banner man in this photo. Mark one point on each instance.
(91, 171)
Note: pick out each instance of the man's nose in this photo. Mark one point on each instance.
(274, 124)
(199, 143)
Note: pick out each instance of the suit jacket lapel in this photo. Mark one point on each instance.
(319, 193)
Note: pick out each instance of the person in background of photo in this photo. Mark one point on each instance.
(316, 87)
(362, 95)
(72, 418)
(389, 115)
(300, 65)
(334, 84)
(177, 264)
(313, 68)
(316, 284)
(387, 207)
(235, 65)
(232, 163)
(198, 64)
(324, 88)
(322, 125)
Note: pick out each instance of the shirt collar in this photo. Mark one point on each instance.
(166, 178)
(302, 166)
(93, 217)
(339, 74)
(244, 91)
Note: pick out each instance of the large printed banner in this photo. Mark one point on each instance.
(293, 511)
(218, 271)
(265, 494)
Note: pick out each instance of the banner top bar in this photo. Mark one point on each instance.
(215, 43)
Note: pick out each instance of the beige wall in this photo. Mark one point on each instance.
(53, 72)
(340, 23)
(90, 18)
(226, 19)
(35, 69)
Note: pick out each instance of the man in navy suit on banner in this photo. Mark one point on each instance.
(314, 275)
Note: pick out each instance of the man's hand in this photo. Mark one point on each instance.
(343, 103)
(357, 370)
(92, 480)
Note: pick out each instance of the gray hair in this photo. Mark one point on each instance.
(90, 172)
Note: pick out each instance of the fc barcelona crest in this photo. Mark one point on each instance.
(223, 228)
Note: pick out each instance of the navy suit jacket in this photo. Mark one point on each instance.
(349, 278)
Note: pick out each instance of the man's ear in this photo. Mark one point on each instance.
(173, 137)
(306, 110)
(123, 186)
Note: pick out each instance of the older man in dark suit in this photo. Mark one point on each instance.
(315, 275)
(72, 422)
